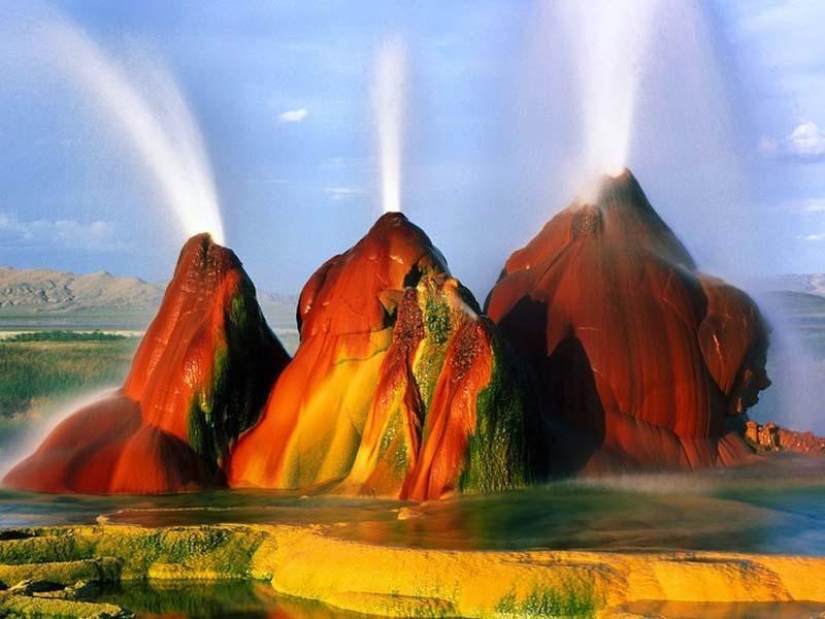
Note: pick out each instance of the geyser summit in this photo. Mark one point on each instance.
(198, 379)
(637, 360)
(605, 350)
(399, 386)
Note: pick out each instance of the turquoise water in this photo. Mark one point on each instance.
(776, 507)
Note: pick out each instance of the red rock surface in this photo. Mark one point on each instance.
(771, 437)
(198, 379)
(383, 394)
(639, 361)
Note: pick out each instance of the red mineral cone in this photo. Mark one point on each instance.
(198, 379)
(639, 361)
(398, 387)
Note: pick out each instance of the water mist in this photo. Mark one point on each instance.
(162, 130)
(609, 42)
(388, 102)
(49, 416)
(795, 367)
(611, 50)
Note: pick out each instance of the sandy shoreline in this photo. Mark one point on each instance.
(308, 562)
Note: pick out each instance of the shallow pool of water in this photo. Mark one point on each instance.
(256, 601)
(228, 600)
(776, 507)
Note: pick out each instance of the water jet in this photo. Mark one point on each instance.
(153, 117)
(609, 53)
(389, 92)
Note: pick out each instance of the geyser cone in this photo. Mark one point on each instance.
(198, 379)
(638, 360)
(398, 386)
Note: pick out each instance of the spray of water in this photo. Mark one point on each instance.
(388, 101)
(162, 131)
(795, 367)
(33, 433)
(609, 40)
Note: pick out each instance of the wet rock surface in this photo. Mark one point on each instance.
(638, 360)
(198, 379)
(34, 598)
(773, 438)
(398, 388)
(308, 562)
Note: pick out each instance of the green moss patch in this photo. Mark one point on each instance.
(570, 600)
(496, 452)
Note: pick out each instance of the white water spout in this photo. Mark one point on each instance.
(389, 101)
(609, 40)
(159, 125)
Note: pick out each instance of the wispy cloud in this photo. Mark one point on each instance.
(811, 206)
(806, 143)
(255, 180)
(345, 162)
(63, 233)
(338, 194)
(814, 206)
(813, 237)
(293, 116)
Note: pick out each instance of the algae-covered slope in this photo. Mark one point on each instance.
(310, 562)
(198, 379)
(399, 387)
(638, 360)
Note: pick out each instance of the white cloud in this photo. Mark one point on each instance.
(807, 140)
(815, 206)
(811, 206)
(806, 143)
(64, 233)
(343, 193)
(813, 237)
(293, 116)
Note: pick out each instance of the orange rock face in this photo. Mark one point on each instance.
(638, 360)
(398, 387)
(199, 378)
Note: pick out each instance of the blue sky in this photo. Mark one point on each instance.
(728, 138)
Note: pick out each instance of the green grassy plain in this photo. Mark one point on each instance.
(40, 370)
(38, 366)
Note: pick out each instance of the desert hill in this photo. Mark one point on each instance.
(29, 297)
(45, 290)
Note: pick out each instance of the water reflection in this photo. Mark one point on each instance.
(692, 610)
(774, 508)
(227, 600)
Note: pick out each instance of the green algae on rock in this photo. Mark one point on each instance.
(198, 379)
(67, 554)
(310, 562)
(383, 397)
(25, 607)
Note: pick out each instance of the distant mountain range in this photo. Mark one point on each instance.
(807, 283)
(32, 295)
(24, 291)
(799, 298)
(59, 296)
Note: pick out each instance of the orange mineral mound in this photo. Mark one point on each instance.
(398, 387)
(199, 378)
(638, 360)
